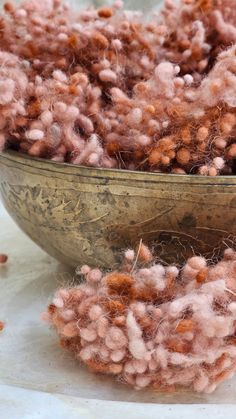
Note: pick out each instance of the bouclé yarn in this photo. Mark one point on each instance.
(110, 88)
(152, 325)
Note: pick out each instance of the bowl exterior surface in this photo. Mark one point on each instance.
(83, 215)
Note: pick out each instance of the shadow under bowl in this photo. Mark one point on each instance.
(82, 215)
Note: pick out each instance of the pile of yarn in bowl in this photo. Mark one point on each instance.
(110, 88)
(113, 89)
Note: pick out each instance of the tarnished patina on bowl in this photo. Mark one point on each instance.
(83, 215)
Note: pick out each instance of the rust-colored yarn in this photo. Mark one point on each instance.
(152, 325)
(3, 258)
(109, 88)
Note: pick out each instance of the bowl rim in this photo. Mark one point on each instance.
(113, 174)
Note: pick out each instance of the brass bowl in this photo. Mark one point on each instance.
(83, 215)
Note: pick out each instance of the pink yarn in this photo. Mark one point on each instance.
(152, 325)
(109, 88)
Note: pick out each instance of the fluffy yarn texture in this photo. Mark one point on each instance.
(109, 88)
(153, 325)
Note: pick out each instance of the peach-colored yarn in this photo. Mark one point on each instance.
(152, 325)
(109, 88)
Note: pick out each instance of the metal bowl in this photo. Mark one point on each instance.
(83, 215)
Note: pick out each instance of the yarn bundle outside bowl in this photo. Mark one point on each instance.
(82, 215)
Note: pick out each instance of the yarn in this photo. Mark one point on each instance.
(3, 258)
(151, 325)
(110, 88)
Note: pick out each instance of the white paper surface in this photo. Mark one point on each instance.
(47, 406)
